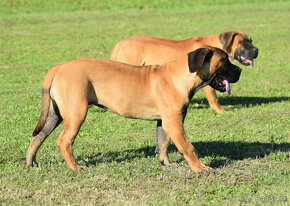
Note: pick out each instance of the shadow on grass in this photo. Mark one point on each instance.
(242, 101)
(229, 150)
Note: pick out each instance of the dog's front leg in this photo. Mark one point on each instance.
(213, 100)
(163, 142)
(173, 127)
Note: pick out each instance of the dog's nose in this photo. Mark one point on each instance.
(256, 51)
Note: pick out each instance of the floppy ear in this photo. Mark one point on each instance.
(197, 58)
(227, 39)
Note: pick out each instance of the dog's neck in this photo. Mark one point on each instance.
(208, 40)
(186, 82)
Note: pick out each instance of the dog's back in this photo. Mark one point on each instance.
(147, 50)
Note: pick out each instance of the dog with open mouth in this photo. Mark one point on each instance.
(155, 92)
(148, 50)
(246, 52)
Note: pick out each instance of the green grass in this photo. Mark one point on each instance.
(248, 147)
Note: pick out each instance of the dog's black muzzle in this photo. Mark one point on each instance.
(224, 77)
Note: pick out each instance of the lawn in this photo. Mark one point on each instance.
(248, 147)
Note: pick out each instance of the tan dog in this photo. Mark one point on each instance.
(147, 50)
(149, 92)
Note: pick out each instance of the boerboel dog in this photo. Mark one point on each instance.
(147, 50)
(148, 92)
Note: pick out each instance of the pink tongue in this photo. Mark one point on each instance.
(228, 87)
(249, 62)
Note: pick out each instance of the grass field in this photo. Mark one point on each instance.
(248, 147)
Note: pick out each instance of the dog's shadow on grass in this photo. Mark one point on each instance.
(228, 150)
(240, 101)
(237, 150)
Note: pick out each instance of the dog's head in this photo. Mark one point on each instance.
(239, 46)
(213, 67)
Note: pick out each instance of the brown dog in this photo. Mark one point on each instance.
(147, 50)
(149, 92)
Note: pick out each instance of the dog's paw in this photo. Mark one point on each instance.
(200, 167)
(207, 169)
(218, 110)
(32, 164)
(166, 162)
(171, 164)
(85, 168)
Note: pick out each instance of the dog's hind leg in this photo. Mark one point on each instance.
(72, 121)
(52, 121)
(163, 142)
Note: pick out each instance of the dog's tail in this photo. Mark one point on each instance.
(45, 100)
(115, 52)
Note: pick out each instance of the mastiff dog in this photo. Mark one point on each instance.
(158, 92)
(147, 50)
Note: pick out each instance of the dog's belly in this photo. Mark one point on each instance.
(128, 107)
(146, 114)
(133, 111)
(126, 98)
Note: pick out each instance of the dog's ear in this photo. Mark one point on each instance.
(197, 58)
(227, 39)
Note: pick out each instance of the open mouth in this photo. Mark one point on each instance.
(221, 85)
(226, 84)
(246, 62)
